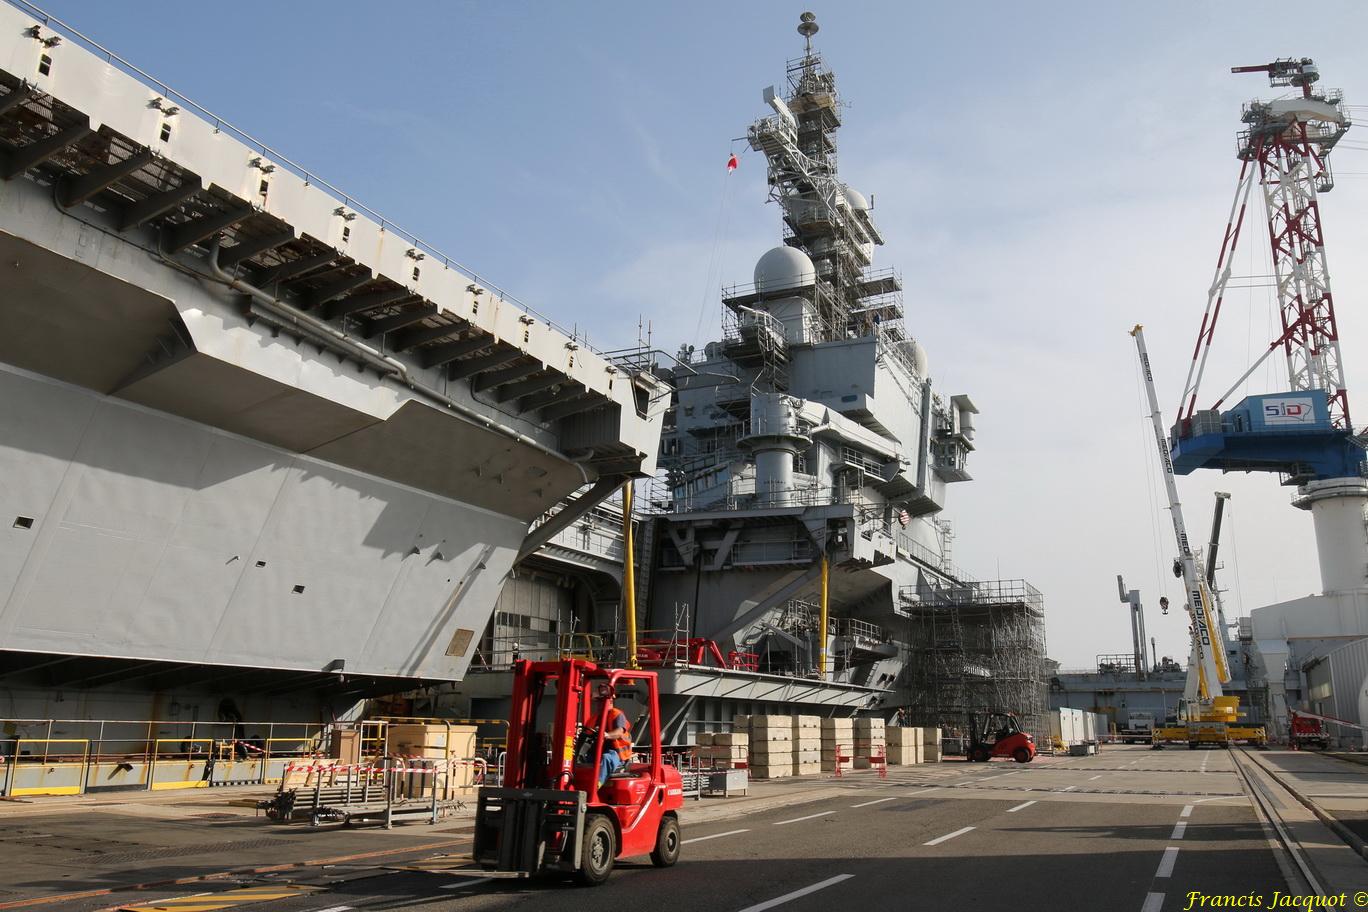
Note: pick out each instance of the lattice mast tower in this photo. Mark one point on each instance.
(1286, 149)
(824, 218)
(1306, 433)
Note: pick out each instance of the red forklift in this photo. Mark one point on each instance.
(551, 815)
(997, 734)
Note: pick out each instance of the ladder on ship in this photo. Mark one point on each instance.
(645, 553)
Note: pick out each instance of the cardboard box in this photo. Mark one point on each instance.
(723, 752)
(430, 741)
(771, 749)
(771, 770)
(767, 723)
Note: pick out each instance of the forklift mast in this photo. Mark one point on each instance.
(538, 757)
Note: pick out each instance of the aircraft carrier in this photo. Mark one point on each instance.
(267, 454)
(262, 451)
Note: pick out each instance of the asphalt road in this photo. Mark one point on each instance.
(1128, 830)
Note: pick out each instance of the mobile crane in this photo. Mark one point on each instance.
(1208, 715)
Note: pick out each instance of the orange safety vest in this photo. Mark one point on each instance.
(622, 745)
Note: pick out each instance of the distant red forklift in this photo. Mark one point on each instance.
(551, 815)
(998, 735)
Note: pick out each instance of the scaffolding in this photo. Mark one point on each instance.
(973, 648)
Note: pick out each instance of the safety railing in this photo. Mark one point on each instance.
(73, 756)
(59, 772)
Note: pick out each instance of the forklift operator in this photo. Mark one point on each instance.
(617, 740)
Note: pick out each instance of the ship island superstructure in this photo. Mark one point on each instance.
(808, 451)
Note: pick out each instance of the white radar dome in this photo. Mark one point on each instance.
(855, 199)
(784, 267)
(920, 362)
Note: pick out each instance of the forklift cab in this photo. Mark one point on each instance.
(627, 785)
(550, 812)
(998, 734)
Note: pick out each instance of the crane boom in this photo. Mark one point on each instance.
(1208, 655)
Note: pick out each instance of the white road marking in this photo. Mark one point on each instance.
(1098, 776)
(462, 884)
(713, 836)
(1167, 862)
(808, 817)
(1070, 788)
(876, 801)
(336, 909)
(780, 900)
(1020, 807)
(1179, 829)
(1153, 902)
(948, 836)
(1187, 811)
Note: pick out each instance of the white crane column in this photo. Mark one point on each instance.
(1338, 508)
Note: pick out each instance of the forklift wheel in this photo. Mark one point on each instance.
(1021, 755)
(667, 843)
(600, 849)
(979, 755)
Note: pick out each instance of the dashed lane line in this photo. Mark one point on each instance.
(462, 884)
(1020, 807)
(1098, 776)
(1167, 862)
(1179, 829)
(1153, 902)
(1187, 811)
(948, 836)
(876, 801)
(211, 902)
(797, 894)
(714, 836)
(801, 819)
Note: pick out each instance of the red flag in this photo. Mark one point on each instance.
(733, 163)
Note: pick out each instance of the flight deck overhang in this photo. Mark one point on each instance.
(126, 160)
(248, 422)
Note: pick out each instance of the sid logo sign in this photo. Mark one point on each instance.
(1290, 410)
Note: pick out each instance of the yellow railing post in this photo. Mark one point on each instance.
(822, 622)
(629, 575)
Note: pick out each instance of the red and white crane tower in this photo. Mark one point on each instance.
(1304, 432)
(1285, 150)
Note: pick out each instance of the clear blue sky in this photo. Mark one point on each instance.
(1046, 175)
